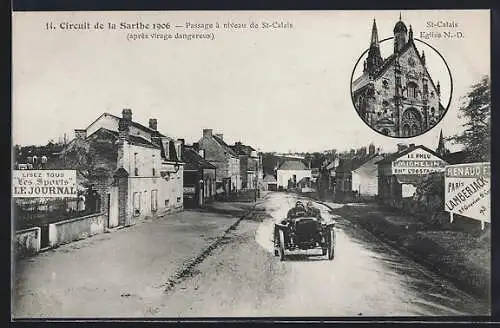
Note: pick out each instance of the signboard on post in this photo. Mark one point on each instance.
(467, 191)
(44, 183)
(418, 162)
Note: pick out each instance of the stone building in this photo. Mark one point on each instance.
(290, 172)
(226, 161)
(135, 169)
(199, 177)
(250, 165)
(396, 96)
(399, 173)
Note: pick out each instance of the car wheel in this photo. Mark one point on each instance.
(282, 245)
(331, 244)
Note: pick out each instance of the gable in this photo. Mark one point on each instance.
(106, 121)
(419, 160)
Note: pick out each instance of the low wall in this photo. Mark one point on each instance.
(28, 241)
(64, 232)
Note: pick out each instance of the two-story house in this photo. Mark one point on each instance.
(199, 176)
(250, 165)
(226, 161)
(136, 170)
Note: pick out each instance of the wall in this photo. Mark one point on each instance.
(78, 228)
(215, 155)
(365, 185)
(27, 241)
(285, 175)
(234, 172)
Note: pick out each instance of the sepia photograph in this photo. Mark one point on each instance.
(397, 95)
(250, 164)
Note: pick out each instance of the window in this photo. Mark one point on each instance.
(433, 111)
(136, 169)
(154, 165)
(178, 199)
(426, 88)
(412, 90)
(154, 200)
(137, 203)
(385, 84)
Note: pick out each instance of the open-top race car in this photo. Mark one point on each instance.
(304, 229)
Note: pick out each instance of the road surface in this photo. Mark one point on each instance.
(366, 278)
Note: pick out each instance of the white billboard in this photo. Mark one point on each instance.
(418, 162)
(44, 183)
(467, 190)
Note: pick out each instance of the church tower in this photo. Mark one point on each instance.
(441, 150)
(374, 59)
(400, 31)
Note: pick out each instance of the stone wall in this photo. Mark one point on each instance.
(75, 229)
(27, 242)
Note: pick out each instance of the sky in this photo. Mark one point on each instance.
(275, 89)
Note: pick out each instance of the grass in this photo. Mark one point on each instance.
(462, 257)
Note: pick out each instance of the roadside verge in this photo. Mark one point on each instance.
(462, 258)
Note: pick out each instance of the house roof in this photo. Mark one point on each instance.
(193, 160)
(350, 164)
(292, 165)
(133, 139)
(224, 145)
(242, 149)
(132, 123)
(457, 157)
(269, 178)
(392, 157)
(369, 168)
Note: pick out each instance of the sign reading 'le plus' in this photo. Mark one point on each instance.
(467, 190)
(44, 183)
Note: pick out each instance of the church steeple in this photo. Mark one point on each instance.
(441, 150)
(400, 31)
(374, 59)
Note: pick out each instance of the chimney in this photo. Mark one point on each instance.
(220, 136)
(153, 124)
(80, 133)
(127, 114)
(402, 146)
(123, 128)
(207, 133)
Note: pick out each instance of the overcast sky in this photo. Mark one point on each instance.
(277, 90)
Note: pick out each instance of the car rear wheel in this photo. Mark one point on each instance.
(331, 244)
(281, 245)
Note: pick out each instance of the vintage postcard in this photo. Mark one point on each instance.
(196, 164)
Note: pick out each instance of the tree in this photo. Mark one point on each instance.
(90, 158)
(476, 110)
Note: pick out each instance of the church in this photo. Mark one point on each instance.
(396, 96)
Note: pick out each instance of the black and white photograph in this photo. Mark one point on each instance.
(250, 164)
(397, 95)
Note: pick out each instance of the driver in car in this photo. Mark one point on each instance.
(313, 211)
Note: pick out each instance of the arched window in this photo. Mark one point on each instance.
(433, 111)
(385, 131)
(406, 130)
(412, 90)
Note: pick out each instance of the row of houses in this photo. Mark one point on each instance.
(137, 170)
(391, 177)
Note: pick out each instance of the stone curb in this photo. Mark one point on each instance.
(188, 265)
(463, 285)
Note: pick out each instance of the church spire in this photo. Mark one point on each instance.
(441, 150)
(374, 40)
(374, 59)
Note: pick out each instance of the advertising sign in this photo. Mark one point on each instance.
(467, 190)
(44, 183)
(418, 162)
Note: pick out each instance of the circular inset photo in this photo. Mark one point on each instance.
(401, 87)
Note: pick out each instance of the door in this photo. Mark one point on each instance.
(113, 207)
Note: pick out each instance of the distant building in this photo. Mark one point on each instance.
(224, 158)
(250, 165)
(365, 178)
(199, 177)
(270, 183)
(291, 172)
